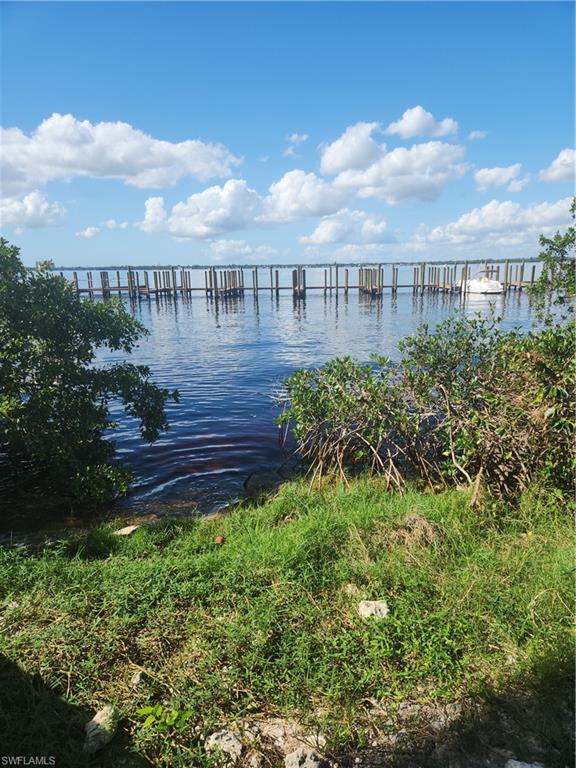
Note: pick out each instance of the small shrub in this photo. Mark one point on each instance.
(467, 402)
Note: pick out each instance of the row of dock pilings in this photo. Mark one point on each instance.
(373, 280)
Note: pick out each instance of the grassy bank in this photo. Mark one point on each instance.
(266, 624)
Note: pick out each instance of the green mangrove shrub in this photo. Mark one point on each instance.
(346, 415)
(466, 402)
(55, 400)
(554, 291)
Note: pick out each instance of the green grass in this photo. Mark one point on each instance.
(264, 624)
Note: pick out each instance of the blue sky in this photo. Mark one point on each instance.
(193, 133)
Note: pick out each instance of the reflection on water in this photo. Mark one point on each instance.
(227, 358)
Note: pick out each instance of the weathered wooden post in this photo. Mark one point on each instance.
(325, 281)
(346, 279)
(147, 283)
(75, 279)
(506, 275)
(533, 275)
(294, 282)
(521, 280)
(336, 280)
(277, 276)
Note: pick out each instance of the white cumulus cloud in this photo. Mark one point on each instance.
(63, 147)
(88, 233)
(419, 172)
(214, 211)
(235, 206)
(298, 195)
(346, 226)
(496, 177)
(563, 168)
(502, 224)
(353, 150)
(477, 135)
(517, 185)
(32, 211)
(418, 122)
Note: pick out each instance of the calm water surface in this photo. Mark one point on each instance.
(228, 358)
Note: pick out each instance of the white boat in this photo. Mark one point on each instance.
(483, 282)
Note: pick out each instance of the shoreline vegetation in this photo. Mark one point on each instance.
(253, 618)
(409, 604)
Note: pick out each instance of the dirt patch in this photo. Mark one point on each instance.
(415, 530)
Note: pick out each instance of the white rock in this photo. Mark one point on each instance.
(376, 608)
(127, 530)
(288, 735)
(302, 758)
(138, 678)
(520, 764)
(227, 742)
(101, 729)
